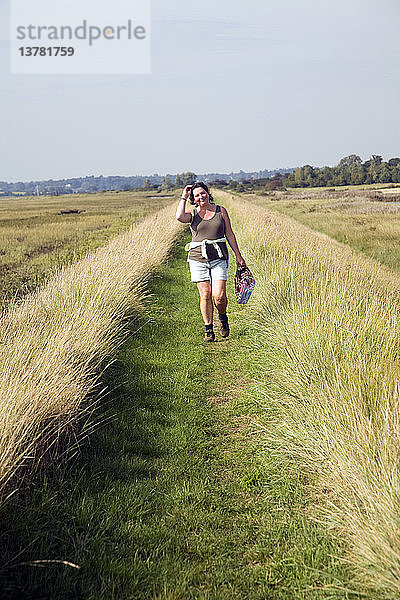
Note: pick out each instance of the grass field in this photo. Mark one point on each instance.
(349, 215)
(329, 330)
(264, 466)
(174, 498)
(57, 339)
(35, 238)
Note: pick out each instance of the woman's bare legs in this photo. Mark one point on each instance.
(221, 302)
(206, 291)
(206, 305)
(219, 293)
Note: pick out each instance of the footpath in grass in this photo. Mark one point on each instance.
(172, 498)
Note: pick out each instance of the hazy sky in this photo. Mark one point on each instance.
(234, 85)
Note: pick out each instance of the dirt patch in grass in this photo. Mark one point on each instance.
(219, 399)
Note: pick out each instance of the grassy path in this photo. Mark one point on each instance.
(172, 499)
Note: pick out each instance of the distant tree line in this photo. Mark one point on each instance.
(350, 171)
(156, 183)
(76, 185)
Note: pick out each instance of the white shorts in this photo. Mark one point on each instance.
(207, 271)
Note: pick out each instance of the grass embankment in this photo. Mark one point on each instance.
(54, 342)
(328, 351)
(36, 239)
(350, 216)
(171, 499)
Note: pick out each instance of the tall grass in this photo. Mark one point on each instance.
(36, 239)
(54, 343)
(351, 217)
(328, 349)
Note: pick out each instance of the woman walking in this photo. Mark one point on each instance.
(208, 253)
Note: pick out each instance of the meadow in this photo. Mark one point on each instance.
(367, 218)
(36, 237)
(327, 342)
(264, 466)
(169, 498)
(56, 336)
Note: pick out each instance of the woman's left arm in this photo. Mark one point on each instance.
(230, 236)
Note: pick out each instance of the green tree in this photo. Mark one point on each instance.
(298, 177)
(371, 172)
(166, 184)
(326, 176)
(188, 178)
(348, 161)
(357, 175)
(383, 173)
(309, 175)
(396, 174)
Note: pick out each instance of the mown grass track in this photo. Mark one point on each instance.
(170, 499)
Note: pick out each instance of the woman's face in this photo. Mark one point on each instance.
(200, 196)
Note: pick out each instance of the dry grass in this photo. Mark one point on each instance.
(54, 343)
(33, 224)
(352, 217)
(36, 239)
(328, 349)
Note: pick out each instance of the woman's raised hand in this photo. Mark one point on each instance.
(186, 192)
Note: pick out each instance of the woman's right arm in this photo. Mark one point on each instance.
(181, 213)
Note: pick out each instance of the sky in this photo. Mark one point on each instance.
(253, 85)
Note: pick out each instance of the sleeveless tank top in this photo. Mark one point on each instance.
(210, 229)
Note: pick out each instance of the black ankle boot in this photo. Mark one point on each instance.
(223, 325)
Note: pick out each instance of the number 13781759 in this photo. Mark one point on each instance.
(49, 51)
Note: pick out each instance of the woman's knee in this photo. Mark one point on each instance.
(205, 292)
(205, 296)
(220, 298)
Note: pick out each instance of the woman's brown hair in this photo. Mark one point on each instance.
(205, 188)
